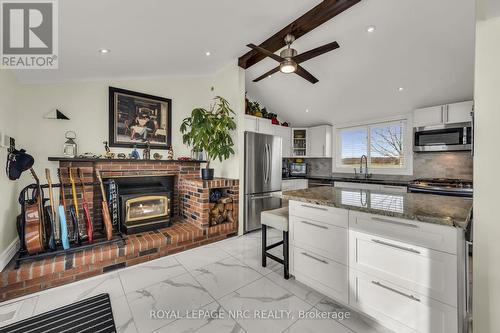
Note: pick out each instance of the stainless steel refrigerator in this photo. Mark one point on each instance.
(262, 176)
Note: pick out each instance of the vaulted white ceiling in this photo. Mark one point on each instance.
(427, 47)
(160, 37)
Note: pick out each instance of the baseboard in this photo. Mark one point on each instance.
(9, 253)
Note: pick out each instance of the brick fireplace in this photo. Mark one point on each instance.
(189, 224)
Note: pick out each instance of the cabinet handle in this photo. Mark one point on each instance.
(408, 249)
(413, 298)
(261, 197)
(313, 257)
(315, 225)
(313, 207)
(409, 225)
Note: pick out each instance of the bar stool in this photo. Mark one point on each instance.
(276, 219)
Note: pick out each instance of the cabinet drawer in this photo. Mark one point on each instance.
(329, 215)
(428, 235)
(354, 185)
(400, 309)
(393, 189)
(320, 273)
(287, 185)
(328, 240)
(430, 273)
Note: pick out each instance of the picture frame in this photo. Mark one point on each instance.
(136, 118)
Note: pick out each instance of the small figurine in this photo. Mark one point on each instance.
(135, 154)
(122, 156)
(170, 153)
(157, 156)
(109, 154)
(146, 154)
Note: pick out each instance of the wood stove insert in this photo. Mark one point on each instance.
(145, 203)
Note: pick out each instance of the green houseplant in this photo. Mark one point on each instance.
(210, 131)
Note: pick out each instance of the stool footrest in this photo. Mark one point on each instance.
(271, 256)
(272, 246)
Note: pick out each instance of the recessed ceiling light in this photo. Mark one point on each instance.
(104, 51)
(269, 76)
(401, 89)
(208, 53)
(307, 110)
(370, 28)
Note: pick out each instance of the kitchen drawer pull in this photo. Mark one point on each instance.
(313, 257)
(313, 207)
(409, 225)
(413, 298)
(396, 246)
(315, 225)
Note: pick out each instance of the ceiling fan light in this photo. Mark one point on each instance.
(288, 66)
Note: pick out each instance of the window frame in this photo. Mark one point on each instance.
(407, 146)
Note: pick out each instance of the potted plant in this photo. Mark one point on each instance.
(210, 131)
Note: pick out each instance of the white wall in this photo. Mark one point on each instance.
(229, 83)
(8, 189)
(486, 303)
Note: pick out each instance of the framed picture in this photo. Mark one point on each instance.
(136, 118)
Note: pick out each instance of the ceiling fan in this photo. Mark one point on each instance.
(290, 59)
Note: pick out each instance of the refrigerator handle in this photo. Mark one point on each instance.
(266, 171)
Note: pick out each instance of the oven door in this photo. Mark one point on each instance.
(456, 137)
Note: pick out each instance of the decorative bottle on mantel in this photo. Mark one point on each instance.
(170, 153)
(146, 154)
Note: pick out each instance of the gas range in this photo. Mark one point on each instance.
(443, 186)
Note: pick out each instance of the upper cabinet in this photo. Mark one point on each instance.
(299, 142)
(319, 141)
(258, 125)
(285, 133)
(443, 114)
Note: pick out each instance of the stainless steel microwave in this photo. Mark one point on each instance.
(451, 137)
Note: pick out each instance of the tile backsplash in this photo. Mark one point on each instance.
(425, 165)
(443, 165)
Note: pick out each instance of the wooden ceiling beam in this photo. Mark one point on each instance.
(320, 14)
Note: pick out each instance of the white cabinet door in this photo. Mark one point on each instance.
(320, 273)
(251, 124)
(265, 126)
(301, 184)
(285, 133)
(400, 309)
(459, 112)
(287, 185)
(431, 273)
(362, 186)
(329, 215)
(319, 141)
(428, 116)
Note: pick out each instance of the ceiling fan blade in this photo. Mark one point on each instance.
(263, 76)
(266, 52)
(315, 52)
(305, 74)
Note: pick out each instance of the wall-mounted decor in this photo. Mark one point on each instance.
(136, 118)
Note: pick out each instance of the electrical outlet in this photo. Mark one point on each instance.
(4, 140)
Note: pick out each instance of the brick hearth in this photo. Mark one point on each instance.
(190, 228)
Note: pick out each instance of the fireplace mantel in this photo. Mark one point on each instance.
(82, 159)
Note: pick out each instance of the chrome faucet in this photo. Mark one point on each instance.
(365, 158)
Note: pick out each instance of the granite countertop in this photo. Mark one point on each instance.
(437, 209)
(356, 180)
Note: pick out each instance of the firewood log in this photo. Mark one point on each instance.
(225, 200)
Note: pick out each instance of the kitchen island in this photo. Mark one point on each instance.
(397, 257)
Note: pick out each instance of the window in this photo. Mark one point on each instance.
(384, 144)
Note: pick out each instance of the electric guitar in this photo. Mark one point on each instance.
(50, 212)
(34, 228)
(86, 212)
(62, 215)
(105, 210)
(73, 209)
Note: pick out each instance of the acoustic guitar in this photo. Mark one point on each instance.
(34, 227)
(86, 211)
(105, 210)
(73, 210)
(50, 212)
(62, 215)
